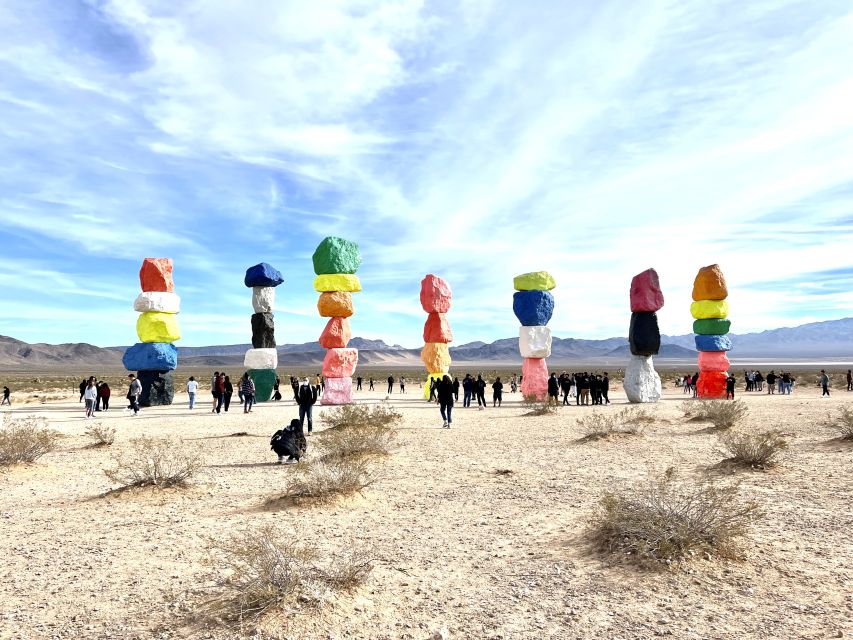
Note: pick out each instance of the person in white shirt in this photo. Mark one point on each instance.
(90, 395)
(192, 389)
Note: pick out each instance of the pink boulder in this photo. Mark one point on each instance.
(337, 334)
(646, 295)
(338, 391)
(340, 363)
(437, 329)
(435, 295)
(713, 361)
(534, 378)
(712, 384)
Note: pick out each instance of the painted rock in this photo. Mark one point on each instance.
(534, 381)
(437, 375)
(261, 359)
(157, 301)
(534, 281)
(712, 327)
(158, 388)
(710, 284)
(713, 361)
(159, 356)
(707, 309)
(436, 295)
(340, 363)
(534, 342)
(643, 334)
(338, 391)
(711, 384)
(336, 335)
(337, 282)
(645, 292)
(437, 329)
(156, 275)
(264, 380)
(642, 382)
(263, 331)
(336, 255)
(436, 356)
(155, 326)
(712, 343)
(533, 308)
(335, 304)
(263, 299)
(262, 275)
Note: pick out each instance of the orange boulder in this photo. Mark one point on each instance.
(335, 304)
(437, 329)
(710, 284)
(156, 275)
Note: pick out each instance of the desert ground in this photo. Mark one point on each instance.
(479, 531)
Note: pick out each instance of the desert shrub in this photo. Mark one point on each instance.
(262, 570)
(842, 422)
(327, 479)
(537, 407)
(158, 462)
(362, 416)
(102, 436)
(723, 414)
(757, 450)
(667, 520)
(26, 440)
(348, 442)
(627, 421)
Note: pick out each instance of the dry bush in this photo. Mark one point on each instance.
(348, 442)
(26, 440)
(261, 570)
(359, 416)
(102, 436)
(158, 462)
(327, 479)
(757, 450)
(536, 407)
(842, 422)
(668, 520)
(627, 421)
(723, 414)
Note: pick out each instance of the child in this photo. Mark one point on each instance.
(289, 442)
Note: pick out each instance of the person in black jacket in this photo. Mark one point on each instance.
(444, 392)
(731, 381)
(480, 388)
(289, 442)
(229, 391)
(605, 388)
(456, 388)
(497, 392)
(553, 389)
(306, 398)
(467, 390)
(390, 384)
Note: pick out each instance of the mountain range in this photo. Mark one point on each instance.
(831, 340)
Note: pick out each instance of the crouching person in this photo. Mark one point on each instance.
(289, 442)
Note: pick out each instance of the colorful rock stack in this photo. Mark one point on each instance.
(533, 305)
(262, 359)
(642, 382)
(155, 357)
(711, 325)
(436, 298)
(335, 262)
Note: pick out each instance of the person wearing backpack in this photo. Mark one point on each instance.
(289, 442)
(306, 397)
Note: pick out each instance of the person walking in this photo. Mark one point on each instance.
(480, 388)
(605, 388)
(467, 390)
(306, 398)
(497, 392)
(565, 386)
(390, 385)
(456, 388)
(104, 393)
(90, 396)
(133, 393)
(370, 384)
(850, 380)
(402, 384)
(220, 392)
(824, 383)
(214, 385)
(513, 383)
(247, 386)
(227, 392)
(192, 389)
(83, 386)
(6, 394)
(445, 400)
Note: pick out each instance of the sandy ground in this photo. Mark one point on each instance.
(457, 546)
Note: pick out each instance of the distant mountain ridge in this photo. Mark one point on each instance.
(829, 339)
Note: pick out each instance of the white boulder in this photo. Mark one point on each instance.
(163, 301)
(642, 382)
(263, 299)
(534, 342)
(261, 359)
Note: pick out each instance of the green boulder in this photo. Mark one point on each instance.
(264, 382)
(336, 255)
(535, 281)
(711, 327)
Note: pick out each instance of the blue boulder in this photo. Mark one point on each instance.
(262, 275)
(713, 343)
(151, 356)
(533, 308)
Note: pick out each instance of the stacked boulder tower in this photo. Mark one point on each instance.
(262, 359)
(335, 262)
(533, 305)
(155, 356)
(436, 298)
(710, 311)
(642, 382)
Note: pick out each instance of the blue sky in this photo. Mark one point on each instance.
(471, 139)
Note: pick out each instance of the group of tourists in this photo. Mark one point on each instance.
(222, 389)
(94, 393)
(586, 388)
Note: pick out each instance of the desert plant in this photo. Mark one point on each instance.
(261, 570)
(348, 442)
(723, 414)
(668, 520)
(627, 421)
(757, 450)
(325, 480)
(25, 440)
(842, 422)
(102, 436)
(158, 462)
(537, 407)
(362, 415)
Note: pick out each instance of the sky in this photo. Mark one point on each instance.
(472, 139)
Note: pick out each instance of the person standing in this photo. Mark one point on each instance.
(497, 392)
(318, 384)
(467, 390)
(133, 393)
(306, 399)
(6, 394)
(390, 385)
(456, 388)
(104, 393)
(358, 383)
(90, 396)
(731, 381)
(214, 384)
(83, 386)
(771, 383)
(402, 384)
(220, 392)
(192, 389)
(480, 388)
(850, 380)
(445, 400)
(247, 386)
(370, 384)
(553, 389)
(276, 392)
(824, 383)
(227, 392)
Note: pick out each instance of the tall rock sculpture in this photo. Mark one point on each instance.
(262, 359)
(711, 325)
(533, 305)
(642, 382)
(436, 298)
(155, 356)
(335, 262)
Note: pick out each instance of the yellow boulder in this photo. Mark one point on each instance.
(436, 356)
(337, 282)
(706, 309)
(156, 326)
